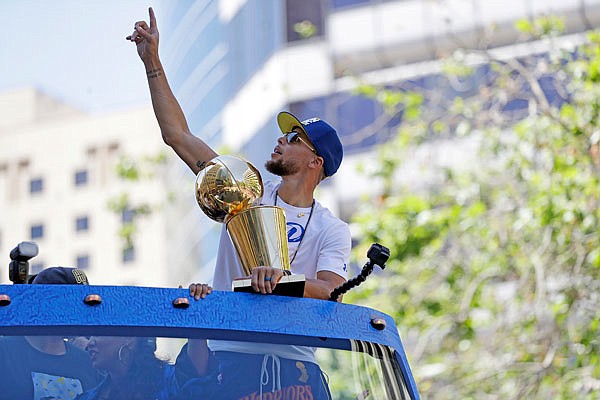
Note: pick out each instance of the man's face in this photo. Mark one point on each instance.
(293, 150)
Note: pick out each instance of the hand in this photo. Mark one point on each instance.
(146, 38)
(264, 279)
(200, 290)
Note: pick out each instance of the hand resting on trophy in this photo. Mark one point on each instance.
(271, 280)
(264, 279)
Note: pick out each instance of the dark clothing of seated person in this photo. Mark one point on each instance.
(234, 376)
(29, 371)
(45, 367)
(132, 370)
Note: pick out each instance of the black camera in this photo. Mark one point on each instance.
(378, 255)
(18, 269)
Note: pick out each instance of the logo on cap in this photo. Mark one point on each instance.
(310, 121)
(80, 276)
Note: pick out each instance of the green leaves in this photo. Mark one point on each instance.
(121, 205)
(134, 170)
(494, 271)
(541, 27)
(130, 169)
(305, 29)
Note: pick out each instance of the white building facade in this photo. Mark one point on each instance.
(58, 173)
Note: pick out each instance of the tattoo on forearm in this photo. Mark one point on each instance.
(154, 73)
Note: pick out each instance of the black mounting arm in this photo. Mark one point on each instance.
(377, 255)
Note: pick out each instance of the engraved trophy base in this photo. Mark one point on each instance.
(292, 286)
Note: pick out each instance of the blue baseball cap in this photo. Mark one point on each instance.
(322, 136)
(61, 276)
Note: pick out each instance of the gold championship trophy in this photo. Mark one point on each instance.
(227, 189)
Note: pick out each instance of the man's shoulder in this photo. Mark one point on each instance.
(14, 349)
(11, 339)
(325, 214)
(328, 223)
(12, 342)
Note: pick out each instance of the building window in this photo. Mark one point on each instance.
(83, 261)
(37, 231)
(36, 185)
(82, 224)
(127, 215)
(81, 177)
(129, 254)
(113, 147)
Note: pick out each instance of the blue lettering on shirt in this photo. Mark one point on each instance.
(295, 232)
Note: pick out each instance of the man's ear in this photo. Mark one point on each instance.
(316, 162)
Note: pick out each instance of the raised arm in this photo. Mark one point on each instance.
(173, 125)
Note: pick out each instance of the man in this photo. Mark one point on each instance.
(45, 367)
(319, 243)
(302, 157)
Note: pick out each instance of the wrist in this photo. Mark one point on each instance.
(154, 72)
(152, 63)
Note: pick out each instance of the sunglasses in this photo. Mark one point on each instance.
(294, 137)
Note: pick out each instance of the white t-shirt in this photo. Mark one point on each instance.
(325, 247)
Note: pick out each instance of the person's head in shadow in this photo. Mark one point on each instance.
(55, 276)
(60, 276)
(132, 369)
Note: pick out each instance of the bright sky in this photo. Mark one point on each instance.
(74, 50)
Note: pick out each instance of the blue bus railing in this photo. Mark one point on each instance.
(71, 310)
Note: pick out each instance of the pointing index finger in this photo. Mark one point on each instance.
(152, 18)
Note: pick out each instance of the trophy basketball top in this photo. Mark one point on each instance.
(226, 186)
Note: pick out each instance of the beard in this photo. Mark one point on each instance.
(280, 167)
